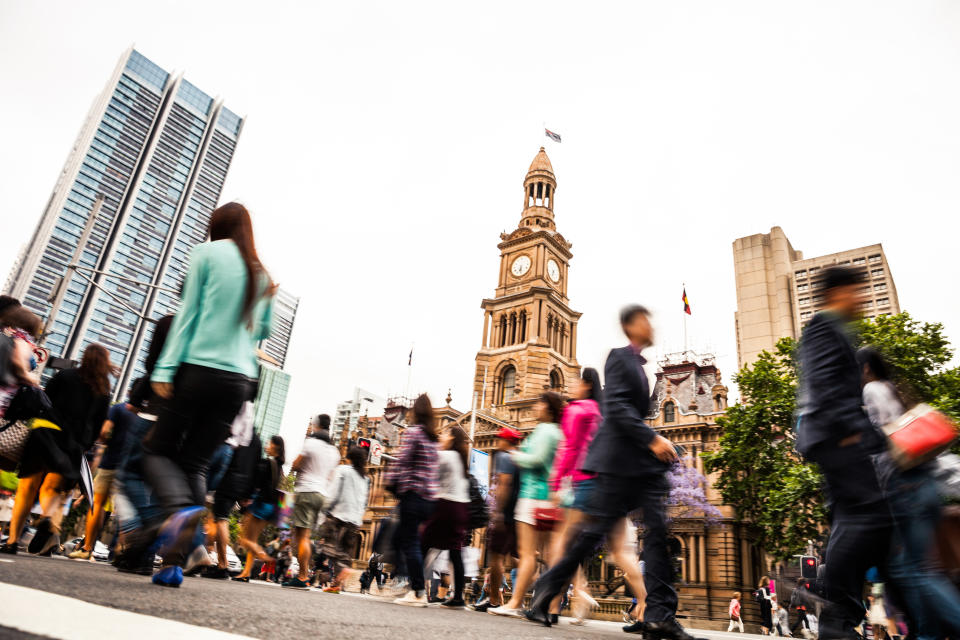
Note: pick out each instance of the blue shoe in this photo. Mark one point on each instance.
(175, 540)
(168, 577)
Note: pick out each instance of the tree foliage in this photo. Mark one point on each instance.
(759, 472)
(688, 493)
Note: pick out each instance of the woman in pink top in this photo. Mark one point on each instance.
(572, 488)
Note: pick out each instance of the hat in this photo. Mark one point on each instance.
(511, 434)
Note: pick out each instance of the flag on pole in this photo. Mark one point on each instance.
(410, 359)
(686, 302)
(550, 134)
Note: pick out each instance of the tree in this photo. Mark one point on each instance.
(688, 493)
(760, 474)
(918, 354)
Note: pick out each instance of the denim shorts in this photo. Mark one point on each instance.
(263, 510)
(582, 493)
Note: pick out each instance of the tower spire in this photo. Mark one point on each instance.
(539, 189)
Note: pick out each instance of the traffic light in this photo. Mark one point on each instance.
(808, 567)
(364, 443)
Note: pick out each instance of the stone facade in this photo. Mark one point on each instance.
(529, 330)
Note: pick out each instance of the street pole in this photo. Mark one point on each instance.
(473, 417)
(61, 290)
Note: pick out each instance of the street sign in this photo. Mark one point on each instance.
(376, 451)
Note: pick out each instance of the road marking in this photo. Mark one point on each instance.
(5, 560)
(28, 610)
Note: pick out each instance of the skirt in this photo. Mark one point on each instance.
(447, 527)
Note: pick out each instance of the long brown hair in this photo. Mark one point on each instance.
(423, 416)
(461, 444)
(357, 458)
(96, 369)
(232, 222)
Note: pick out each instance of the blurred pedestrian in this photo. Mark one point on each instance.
(764, 598)
(205, 370)
(501, 532)
(631, 461)
(349, 493)
(315, 467)
(52, 457)
(834, 432)
(736, 621)
(115, 433)
(265, 506)
(413, 479)
(447, 526)
(932, 602)
(535, 459)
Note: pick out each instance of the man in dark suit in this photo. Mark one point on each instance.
(834, 432)
(630, 461)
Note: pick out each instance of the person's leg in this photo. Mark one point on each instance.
(222, 534)
(413, 511)
(527, 539)
(495, 594)
(304, 552)
(94, 521)
(623, 553)
(27, 489)
(459, 579)
(249, 538)
(52, 498)
(661, 600)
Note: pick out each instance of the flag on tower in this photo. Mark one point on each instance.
(550, 134)
(410, 359)
(686, 302)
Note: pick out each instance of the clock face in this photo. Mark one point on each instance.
(553, 270)
(520, 266)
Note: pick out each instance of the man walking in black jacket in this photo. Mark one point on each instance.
(631, 462)
(834, 432)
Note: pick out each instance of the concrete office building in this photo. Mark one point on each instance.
(157, 149)
(348, 414)
(778, 289)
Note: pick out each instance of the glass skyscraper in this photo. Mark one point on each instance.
(270, 402)
(284, 314)
(157, 149)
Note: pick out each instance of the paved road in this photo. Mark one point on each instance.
(59, 598)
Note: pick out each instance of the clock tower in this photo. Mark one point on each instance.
(529, 330)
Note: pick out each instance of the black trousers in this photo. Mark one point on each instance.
(614, 498)
(860, 533)
(177, 450)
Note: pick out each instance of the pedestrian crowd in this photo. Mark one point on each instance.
(182, 457)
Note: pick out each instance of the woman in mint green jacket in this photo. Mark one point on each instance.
(206, 371)
(535, 459)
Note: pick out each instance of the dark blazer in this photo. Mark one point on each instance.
(622, 443)
(78, 410)
(829, 398)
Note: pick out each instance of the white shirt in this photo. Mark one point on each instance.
(881, 401)
(452, 485)
(349, 492)
(320, 459)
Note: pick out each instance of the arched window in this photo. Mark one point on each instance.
(556, 380)
(718, 403)
(669, 412)
(508, 383)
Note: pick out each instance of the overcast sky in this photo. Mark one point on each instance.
(386, 144)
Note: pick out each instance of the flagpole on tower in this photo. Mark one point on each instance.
(686, 312)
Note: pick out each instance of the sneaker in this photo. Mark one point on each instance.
(435, 600)
(453, 603)
(482, 606)
(412, 599)
(168, 577)
(398, 588)
(9, 549)
(215, 573)
(504, 610)
(666, 630)
(332, 589)
(177, 534)
(582, 605)
(80, 554)
(296, 583)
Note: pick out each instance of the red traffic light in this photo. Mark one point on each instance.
(811, 562)
(363, 443)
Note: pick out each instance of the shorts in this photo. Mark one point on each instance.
(223, 505)
(263, 511)
(307, 507)
(526, 507)
(103, 481)
(502, 538)
(582, 494)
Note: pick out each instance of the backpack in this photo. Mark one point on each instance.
(477, 512)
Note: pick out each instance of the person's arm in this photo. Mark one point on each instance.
(106, 430)
(623, 415)
(404, 459)
(542, 447)
(297, 463)
(184, 324)
(263, 323)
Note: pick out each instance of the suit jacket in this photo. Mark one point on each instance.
(622, 444)
(829, 404)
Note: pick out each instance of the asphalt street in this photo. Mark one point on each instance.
(252, 610)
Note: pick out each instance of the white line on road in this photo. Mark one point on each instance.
(29, 610)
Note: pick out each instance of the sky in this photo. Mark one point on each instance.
(385, 147)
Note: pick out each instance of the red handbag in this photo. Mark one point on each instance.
(547, 518)
(920, 434)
